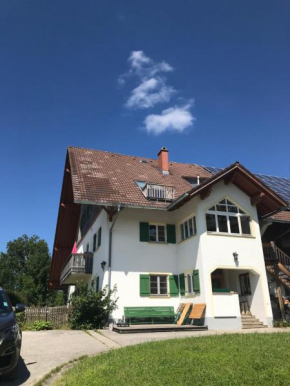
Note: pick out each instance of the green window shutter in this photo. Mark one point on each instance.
(196, 281)
(181, 284)
(94, 242)
(144, 285)
(99, 236)
(173, 285)
(144, 231)
(171, 237)
(97, 283)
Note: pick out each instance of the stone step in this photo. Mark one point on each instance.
(256, 322)
(248, 327)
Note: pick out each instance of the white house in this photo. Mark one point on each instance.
(165, 233)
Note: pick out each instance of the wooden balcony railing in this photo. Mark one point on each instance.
(158, 192)
(78, 263)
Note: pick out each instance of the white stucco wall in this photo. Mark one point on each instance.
(205, 252)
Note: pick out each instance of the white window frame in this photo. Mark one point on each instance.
(185, 223)
(158, 285)
(188, 275)
(228, 214)
(157, 234)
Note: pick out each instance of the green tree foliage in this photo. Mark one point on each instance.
(91, 309)
(24, 270)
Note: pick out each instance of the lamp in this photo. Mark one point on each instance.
(103, 264)
(236, 256)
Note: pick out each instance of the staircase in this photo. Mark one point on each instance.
(250, 321)
(275, 256)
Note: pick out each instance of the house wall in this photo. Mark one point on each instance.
(217, 252)
(204, 252)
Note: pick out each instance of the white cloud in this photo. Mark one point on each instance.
(172, 119)
(143, 96)
(138, 59)
(152, 88)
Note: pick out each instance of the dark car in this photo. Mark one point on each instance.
(10, 337)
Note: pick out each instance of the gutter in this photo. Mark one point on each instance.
(110, 247)
(180, 198)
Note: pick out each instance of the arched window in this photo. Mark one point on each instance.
(226, 217)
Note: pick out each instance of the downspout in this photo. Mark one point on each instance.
(110, 247)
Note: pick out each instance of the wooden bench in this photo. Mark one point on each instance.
(152, 315)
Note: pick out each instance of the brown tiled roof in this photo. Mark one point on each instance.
(283, 216)
(104, 177)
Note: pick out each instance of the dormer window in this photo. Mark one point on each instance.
(156, 192)
(226, 217)
(194, 181)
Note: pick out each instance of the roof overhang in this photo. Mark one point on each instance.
(266, 200)
(66, 228)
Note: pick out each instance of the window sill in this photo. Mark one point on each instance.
(158, 242)
(159, 296)
(230, 235)
(192, 295)
(188, 238)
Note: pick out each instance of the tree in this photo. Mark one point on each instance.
(24, 269)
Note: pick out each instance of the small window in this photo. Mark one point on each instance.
(157, 233)
(188, 228)
(158, 285)
(189, 283)
(94, 242)
(88, 247)
(226, 217)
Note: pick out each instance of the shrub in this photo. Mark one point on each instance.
(21, 319)
(91, 309)
(281, 323)
(40, 325)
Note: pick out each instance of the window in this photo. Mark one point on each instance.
(189, 283)
(157, 233)
(88, 247)
(226, 217)
(158, 285)
(95, 242)
(97, 239)
(188, 228)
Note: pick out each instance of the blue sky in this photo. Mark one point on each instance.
(66, 78)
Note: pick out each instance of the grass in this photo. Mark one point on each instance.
(55, 370)
(240, 359)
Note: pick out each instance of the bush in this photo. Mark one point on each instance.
(281, 323)
(21, 319)
(40, 325)
(91, 309)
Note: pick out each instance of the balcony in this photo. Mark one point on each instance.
(78, 268)
(158, 192)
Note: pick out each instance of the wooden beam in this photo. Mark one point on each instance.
(230, 179)
(111, 211)
(69, 206)
(205, 193)
(257, 198)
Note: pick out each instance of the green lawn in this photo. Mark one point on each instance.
(250, 359)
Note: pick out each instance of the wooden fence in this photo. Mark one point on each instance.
(57, 316)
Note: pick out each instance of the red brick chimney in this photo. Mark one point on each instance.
(163, 160)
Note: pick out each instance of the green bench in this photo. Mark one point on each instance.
(152, 315)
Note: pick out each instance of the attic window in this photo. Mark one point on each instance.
(194, 181)
(156, 192)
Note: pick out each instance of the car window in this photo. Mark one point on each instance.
(5, 307)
